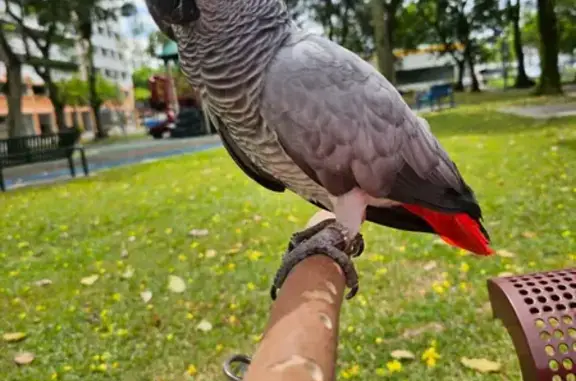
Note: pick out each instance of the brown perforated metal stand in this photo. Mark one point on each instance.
(539, 311)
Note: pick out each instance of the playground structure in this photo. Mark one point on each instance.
(176, 103)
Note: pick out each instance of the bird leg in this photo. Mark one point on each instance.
(330, 239)
(301, 236)
(337, 238)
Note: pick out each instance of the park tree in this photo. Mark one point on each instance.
(75, 91)
(566, 22)
(442, 31)
(549, 48)
(364, 27)
(513, 13)
(339, 19)
(13, 88)
(566, 14)
(39, 43)
(87, 14)
(385, 21)
(456, 25)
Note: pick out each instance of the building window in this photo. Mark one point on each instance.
(104, 52)
(124, 75)
(121, 56)
(117, 36)
(101, 30)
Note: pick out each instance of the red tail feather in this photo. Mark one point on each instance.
(459, 230)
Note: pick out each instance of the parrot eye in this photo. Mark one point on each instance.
(178, 12)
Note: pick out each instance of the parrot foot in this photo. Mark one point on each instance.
(301, 236)
(328, 238)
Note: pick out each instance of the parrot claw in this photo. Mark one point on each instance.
(301, 236)
(327, 238)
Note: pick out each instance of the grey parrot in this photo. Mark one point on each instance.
(297, 111)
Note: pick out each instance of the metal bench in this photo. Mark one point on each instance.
(41, 148)
(434, 95)
(539, 312)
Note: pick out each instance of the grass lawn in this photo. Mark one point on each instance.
(131, 227)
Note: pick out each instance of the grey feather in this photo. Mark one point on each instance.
(340, 119)
(303, 112)
(242, 160)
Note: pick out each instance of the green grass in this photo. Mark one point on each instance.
(522, 171)
(510, 97)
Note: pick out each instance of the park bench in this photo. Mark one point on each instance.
(433, 96)
(538, 310)
(41, 148)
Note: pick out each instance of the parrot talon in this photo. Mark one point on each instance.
(330, 241)
(301, 236)
(356, 246)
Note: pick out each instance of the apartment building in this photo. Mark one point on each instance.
(111, 59)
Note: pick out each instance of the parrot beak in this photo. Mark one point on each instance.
(178, 12)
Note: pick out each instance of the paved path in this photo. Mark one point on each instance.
(105, 157)
(543, 111)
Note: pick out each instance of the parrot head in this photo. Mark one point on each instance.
(176, 12)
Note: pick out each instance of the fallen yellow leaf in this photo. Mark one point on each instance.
(505, 253)
(198, 232)
(89, 280)
(430, 265)
(43, 282)
(204, 326)
(481, 365)
(176, 284)
(14, 337)
(146, 296)
(401, 354)
(128, 273)
(24, 358)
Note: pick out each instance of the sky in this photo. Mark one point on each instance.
(143, 19)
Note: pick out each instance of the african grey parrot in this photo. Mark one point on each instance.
(297, 111)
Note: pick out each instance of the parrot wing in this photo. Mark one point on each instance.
(241, 159)
(346, 126)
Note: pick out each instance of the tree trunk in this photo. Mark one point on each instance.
(381, 19)
(15, 120)
(345, 30)
(60, 116)
(548, 29)
(57, 104)
(460, 67)
(95, 101)
(522, 80)
(475, 85)
(469, 57)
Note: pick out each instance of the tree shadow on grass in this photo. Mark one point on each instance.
(568, 144)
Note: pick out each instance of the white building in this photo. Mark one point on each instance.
(111, 59)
